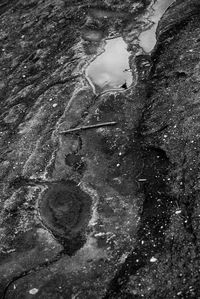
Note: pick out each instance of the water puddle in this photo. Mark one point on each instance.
(147, 38)
(110, 70)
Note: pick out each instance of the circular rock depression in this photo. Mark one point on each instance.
(65, 210)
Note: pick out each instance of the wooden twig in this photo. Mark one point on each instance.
(99, 125)
(142, 180)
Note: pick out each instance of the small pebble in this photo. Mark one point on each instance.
(33, 291)
(54, 105)
(153, 260)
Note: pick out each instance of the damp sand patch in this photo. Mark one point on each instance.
(111, 70)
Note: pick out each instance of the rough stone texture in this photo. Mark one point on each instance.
(171, 123)
(111, 212)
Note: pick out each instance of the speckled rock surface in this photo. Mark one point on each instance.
(111, 212)
(171, 123)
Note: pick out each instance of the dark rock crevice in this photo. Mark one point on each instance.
(154, 217)
(174, 60)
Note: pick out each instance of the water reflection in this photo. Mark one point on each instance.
(111, 70)
(147, 39)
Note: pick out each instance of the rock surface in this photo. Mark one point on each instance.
(108, 212)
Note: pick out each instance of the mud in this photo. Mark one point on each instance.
(65, 210)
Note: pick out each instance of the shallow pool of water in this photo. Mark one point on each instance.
(147, 38)
(110, 70)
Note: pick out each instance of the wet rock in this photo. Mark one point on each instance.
(172, 109)
(92, 35)
(104, 13)
(15, 113)
(108, 212)
(75, 161)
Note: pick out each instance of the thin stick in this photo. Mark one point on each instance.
(99, 125)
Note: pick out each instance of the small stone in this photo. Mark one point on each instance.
(179, 293)
(33, 291)
(153, 260)
(178, 212)
(99, 234)
(54, 105)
